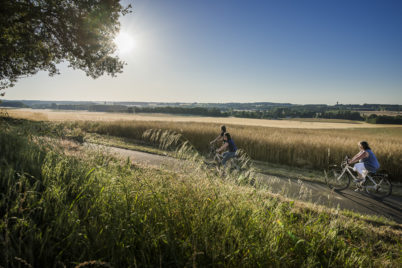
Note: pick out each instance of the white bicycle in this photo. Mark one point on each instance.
(375, 184)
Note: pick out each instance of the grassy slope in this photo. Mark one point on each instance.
(66, 207)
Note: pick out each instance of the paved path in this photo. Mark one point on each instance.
(317, 193)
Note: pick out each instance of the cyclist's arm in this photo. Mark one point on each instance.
(223, 147)
(358, 156)
(216, 139)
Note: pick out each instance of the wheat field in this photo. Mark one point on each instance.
(64, 115)
(293, 143)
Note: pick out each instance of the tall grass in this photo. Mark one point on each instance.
(171, 140)
(60, 210)
(311, 148)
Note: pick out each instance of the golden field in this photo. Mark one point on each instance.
(293, 143)
(64, 115)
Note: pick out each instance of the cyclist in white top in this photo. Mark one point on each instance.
(367, 161)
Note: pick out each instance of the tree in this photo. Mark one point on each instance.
(38, 34)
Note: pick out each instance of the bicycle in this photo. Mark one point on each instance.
(233, 164)
(375, 184)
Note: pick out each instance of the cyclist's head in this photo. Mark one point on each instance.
(364, 145)
(227, 135)
(223, 128)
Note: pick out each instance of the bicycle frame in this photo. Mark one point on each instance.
(349, 169)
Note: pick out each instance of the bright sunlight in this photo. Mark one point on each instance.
(124, 42)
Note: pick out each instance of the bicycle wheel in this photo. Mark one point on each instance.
(209, 164)
(211, 153)
(234, 165)
(378, 186)
(335, 180)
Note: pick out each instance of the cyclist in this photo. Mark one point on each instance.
(220, 136)
(367, 161)
(229, 146)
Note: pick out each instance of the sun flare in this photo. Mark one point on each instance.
(124, 42)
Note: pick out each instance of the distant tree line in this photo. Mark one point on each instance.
(179, 110)
(279, 113)
(384, 119)
(14, 104)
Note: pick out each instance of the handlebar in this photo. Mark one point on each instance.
(212, 149)
(345, 161)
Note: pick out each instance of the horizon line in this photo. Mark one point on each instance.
(196, 102)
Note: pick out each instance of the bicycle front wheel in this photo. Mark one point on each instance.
(378, 186)
(336, 180)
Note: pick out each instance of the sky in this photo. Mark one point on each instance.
(288, 51)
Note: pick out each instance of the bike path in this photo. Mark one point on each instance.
(313, 192)
(319, 193)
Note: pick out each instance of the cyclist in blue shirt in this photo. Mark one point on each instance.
(229, 147)
(367, 161)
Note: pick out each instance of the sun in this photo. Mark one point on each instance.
(124, 42)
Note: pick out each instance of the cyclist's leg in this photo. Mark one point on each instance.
(226, 157)
(361, 170)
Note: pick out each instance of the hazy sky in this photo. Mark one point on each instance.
(300, 51)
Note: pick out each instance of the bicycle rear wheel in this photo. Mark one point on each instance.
(234, 165)
(381, 188)
(336, 180)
